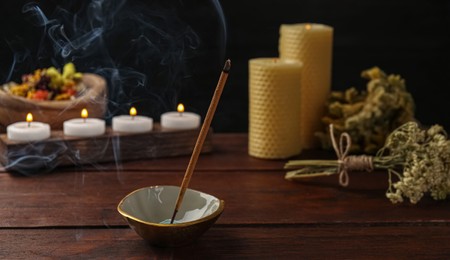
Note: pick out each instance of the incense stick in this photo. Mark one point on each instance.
(201, 136)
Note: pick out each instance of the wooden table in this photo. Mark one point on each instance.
(71, 213)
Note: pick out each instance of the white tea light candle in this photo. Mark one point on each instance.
(132, 123)
(180, 119)
(28, 131)
(84, 126)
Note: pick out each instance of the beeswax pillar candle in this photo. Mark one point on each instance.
(310, 44)
(274, 107)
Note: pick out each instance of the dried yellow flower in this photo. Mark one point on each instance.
(369, 116)
(48, 84)
(417, 161)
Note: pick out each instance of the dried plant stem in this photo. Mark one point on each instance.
(317, 168)
(419, 160)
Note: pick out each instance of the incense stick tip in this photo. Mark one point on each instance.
(227, 66)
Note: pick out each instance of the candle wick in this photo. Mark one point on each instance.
(84, 120)
(29, 124)
(180, 113)
(132, 117)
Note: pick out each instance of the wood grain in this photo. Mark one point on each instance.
(90, 199)
(222, 242)
(72, 212)
(61, 150)
(228, 152)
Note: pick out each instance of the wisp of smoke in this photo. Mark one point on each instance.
(146, 50)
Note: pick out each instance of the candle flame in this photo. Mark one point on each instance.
(84, 113)
(180, 108)
(29, 118)
(308, 26)
(133, 111)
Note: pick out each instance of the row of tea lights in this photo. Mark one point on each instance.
(89, 127)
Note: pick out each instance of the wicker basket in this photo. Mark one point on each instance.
(94, 99)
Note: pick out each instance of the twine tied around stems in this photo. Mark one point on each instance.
(406, 150)
(348, 163)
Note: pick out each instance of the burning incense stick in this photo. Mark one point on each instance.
(202, 135)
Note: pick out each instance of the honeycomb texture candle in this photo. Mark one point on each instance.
(310, 44)
(274, 107)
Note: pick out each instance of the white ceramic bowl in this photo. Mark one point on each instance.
(148, 210)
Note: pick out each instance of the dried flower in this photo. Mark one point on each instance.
(417, 161)
(369, 116)
(48, 84)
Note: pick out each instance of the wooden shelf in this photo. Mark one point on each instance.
(61, 150)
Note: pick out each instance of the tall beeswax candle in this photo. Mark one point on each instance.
(274, 107)
(312, 45)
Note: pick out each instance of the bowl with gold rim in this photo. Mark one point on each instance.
(148, 211)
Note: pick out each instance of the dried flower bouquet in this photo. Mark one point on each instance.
(368, 116)
(416, 160)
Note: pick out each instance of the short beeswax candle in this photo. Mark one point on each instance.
(274, 108)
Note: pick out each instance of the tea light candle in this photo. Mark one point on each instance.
(84, 126)
(180, 119)
(28, 131)
(132, 123)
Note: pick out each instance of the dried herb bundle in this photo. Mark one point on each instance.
(417, 161)
(369, 116)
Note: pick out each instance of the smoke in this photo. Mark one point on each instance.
(31, 157)
(148, 51)
(140, 49)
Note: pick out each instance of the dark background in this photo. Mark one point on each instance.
(157, 53)
(410, 38)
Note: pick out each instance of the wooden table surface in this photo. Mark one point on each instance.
(71, 212)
